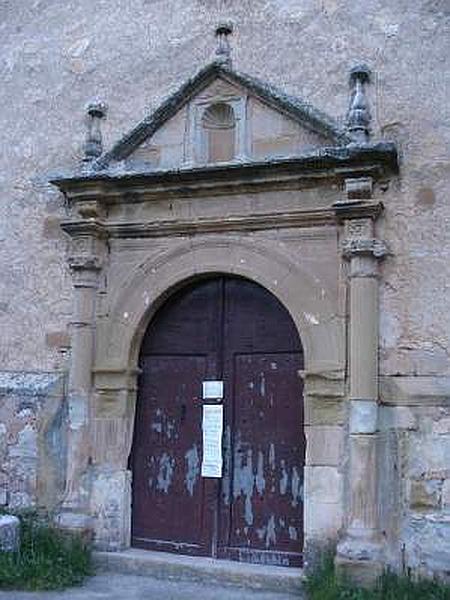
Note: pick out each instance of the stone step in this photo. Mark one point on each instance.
(167, 566)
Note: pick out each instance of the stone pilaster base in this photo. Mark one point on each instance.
(359, 560)
(360, 572)
(111, 508)
(76, 522)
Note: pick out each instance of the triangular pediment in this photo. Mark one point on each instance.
(222, 116)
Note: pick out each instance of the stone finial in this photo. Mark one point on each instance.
(223, 50)
(93, 147)
(359, 117)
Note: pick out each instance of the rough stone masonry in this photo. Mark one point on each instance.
(56, 57)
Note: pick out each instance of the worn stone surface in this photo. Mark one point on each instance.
(168, 566)
(55, 57)
(427, 543)
(110, 586)
(32, 449)
(325, 445)
(111, 508)
(414, 499)
(9, 533)
(425, 494)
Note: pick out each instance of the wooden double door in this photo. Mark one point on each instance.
(229, 329)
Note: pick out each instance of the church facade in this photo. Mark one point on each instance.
(250, 361)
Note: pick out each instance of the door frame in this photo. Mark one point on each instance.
(297, 290)
(123, 271)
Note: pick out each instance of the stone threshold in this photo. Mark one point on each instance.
(162, 565)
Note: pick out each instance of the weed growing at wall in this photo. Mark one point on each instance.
(323, 584)
(47, 559)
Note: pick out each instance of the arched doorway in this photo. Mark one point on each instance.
(233, 330)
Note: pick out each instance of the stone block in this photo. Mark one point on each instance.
(427, 543)
(111, 508)
(9, 533)
(415, 391)
(4, 484)
(397, 417)
(363, 416)
(20, 500)
(446, 493)
(326, 411)
(57, 339)
(442, 427)
(363, 573)
(73, 521)
(324, 445)
(3, 442)
(425, 494)
(26, 446)
(322, 520)
(323, 484)
(429, 457)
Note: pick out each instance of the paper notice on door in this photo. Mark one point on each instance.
(212, 440)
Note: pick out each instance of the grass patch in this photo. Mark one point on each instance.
(47, 558)
(324, 584)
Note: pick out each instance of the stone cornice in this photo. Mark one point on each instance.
(84, 228)
(163, 228)
(333, 163)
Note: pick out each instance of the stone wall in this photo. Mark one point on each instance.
(426, 527)
(32, 439)
(56, 56)
(415, 484)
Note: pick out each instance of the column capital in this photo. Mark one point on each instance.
(87, 249)
(360, 240)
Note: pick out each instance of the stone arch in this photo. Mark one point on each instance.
(310, 304)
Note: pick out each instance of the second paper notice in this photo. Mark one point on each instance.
(212, 440)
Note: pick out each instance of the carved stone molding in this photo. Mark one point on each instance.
(88, 248)
(85, 262)
(90, 209)
(255, 222)
(359, 188)
(312, 168)
(345, 210)
(364, 247)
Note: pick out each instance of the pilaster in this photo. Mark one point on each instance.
(360, 549)
(86, 259)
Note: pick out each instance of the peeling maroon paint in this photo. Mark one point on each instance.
(230, 329)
